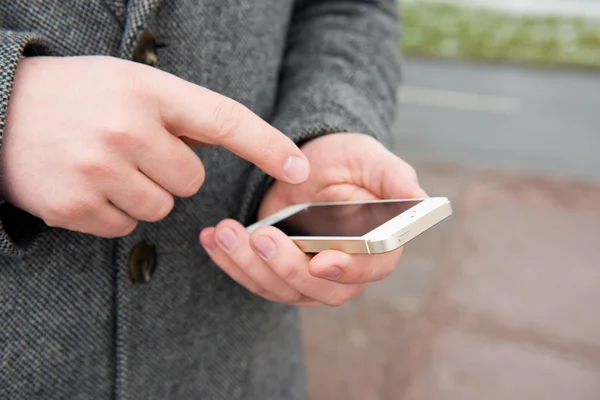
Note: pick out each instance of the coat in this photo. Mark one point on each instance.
(148, 316)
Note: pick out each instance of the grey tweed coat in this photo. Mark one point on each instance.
(148, 316)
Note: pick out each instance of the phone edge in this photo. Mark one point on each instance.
(416, 228)
(391, 242)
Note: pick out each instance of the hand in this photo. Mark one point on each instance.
(96, 144)
(344, 167)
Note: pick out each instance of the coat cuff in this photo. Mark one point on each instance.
(16, 226)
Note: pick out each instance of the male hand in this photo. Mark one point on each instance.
(96, 144)
(344, 167)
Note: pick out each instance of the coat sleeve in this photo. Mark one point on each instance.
(340, 73)
(14, 46)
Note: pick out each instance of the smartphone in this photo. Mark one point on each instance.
(358, 227)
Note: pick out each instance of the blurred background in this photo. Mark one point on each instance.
(500, 112)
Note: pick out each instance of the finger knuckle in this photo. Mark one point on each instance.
(227, 119)
(120, 139)
(139, 201)
(269, 150)
(95, 169)
(290, 272)
(118, 134)
(61, 212)
(128, 228)
(120, 229)
(188, 168)
(152, 207)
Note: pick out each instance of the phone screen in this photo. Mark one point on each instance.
(343, 220)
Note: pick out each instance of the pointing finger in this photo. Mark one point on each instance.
(205, 116)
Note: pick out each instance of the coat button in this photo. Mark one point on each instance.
(142, 262)
(145, 49)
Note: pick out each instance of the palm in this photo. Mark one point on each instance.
(343, 167)
(282, 195)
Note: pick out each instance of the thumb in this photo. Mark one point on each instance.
(394, 178)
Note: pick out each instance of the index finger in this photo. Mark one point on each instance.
(292, 265)
(205, 116)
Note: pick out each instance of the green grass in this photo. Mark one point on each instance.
(451, 31)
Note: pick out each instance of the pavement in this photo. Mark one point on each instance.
(499, 301)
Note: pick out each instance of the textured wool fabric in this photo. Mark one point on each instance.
(72, 323)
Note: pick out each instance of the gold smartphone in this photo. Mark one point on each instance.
(358, 227)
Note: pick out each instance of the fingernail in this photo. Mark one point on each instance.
(265, 246)
(228, 239)
(209, 243)
(331, 273)
(296, 169)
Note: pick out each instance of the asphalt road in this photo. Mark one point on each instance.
(531, 120)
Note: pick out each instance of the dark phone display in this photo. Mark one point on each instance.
(342, 220)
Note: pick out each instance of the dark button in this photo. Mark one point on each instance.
(142, 262)
(145, 49)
